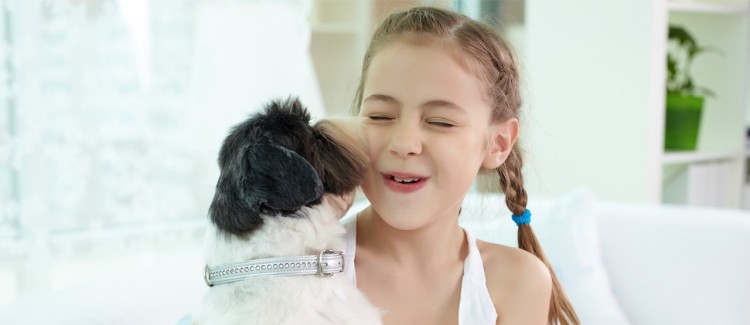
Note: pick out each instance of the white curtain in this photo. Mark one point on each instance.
(112, 113)
(263, 53)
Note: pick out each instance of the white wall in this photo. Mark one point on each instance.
(590, 97)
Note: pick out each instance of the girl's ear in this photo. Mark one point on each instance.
(503, 136)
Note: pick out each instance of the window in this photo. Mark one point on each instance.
(113, 112)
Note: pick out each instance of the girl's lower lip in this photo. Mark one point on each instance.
(403, 187)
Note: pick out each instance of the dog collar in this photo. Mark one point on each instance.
(324, 264)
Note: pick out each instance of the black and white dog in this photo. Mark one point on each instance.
(276, 238)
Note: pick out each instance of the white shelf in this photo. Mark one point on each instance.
(687, 157)
(335, 28)
(715, 7)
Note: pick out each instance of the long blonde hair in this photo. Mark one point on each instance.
(483, 52)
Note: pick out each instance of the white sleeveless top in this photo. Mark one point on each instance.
(475, 307)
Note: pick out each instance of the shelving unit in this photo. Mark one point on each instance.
(597, 94)
(689, 157)
(340, 32)
(340, 29)
(335, 28)
(717, 7)
(714, 172)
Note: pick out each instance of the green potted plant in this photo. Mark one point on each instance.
(684, 99)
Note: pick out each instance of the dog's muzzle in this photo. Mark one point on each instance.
(324, 264)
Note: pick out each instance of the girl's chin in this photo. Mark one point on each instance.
(403, 219)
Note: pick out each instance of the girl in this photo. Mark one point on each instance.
(439, 94)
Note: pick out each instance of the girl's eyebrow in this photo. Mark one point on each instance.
(437, 103)
(380, 97)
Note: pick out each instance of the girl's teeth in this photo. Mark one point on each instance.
(405, 180)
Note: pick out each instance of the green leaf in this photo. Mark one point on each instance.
(682, 36)
(680, 59)
(671, 67)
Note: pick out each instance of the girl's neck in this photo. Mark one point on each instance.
(440, 242)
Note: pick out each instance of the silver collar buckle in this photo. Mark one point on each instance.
(322, 264)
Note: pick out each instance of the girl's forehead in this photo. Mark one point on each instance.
(438, 50)
(429, 58)
(427, 69)
(448, 47)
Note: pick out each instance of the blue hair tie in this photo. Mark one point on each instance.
(524, 218)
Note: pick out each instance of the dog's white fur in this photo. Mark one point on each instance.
(285, 299)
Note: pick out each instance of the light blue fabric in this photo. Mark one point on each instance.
(185, 320)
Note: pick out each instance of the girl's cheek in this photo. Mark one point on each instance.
(374, 139)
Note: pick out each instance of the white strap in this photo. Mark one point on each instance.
(324, 264)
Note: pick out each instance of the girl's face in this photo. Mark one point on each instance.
(429, 131)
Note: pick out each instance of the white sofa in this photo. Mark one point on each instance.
(620, 264)
(676, 265)
(638, 263)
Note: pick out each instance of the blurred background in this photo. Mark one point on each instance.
(112, 111)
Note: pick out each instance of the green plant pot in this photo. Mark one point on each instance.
(682, 121)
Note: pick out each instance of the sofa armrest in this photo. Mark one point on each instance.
(677, 265)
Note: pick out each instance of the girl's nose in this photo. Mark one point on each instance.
(405, 140)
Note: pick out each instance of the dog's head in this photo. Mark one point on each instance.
(275, 162)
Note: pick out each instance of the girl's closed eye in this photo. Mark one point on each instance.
(441, 123)
(379, 117)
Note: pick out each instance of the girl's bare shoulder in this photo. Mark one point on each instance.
(516, 280)
(501, 258)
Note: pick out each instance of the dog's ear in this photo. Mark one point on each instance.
(341, 157)
(276, 179)
(261, 177)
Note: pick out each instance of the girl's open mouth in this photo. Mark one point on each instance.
(404, 183)
(405, 180)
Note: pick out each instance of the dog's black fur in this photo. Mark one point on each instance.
(274, 163)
